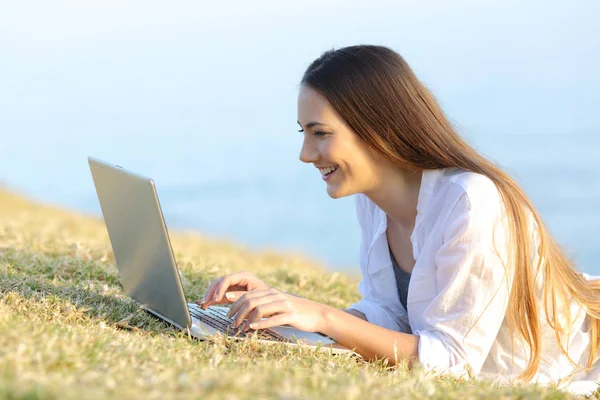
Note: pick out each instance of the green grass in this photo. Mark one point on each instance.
(68, 331)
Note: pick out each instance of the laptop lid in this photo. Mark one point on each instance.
(140, 240)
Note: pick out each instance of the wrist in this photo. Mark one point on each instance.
(327, 317)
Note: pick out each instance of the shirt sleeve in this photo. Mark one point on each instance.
(374, 309)
(463, 320)
(380, 314)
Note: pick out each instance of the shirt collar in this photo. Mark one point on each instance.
(428, 181)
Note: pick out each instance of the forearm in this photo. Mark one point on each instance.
(369, 340)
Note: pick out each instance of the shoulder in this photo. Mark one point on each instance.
(466, 190)
(459, 202)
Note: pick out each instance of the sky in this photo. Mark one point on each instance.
(90, 48)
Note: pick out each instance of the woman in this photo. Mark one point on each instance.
(458, 271)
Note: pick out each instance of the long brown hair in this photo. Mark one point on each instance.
(375, 91)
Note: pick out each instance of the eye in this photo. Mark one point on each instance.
(317, 133)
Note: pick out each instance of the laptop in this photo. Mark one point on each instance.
(147, 268)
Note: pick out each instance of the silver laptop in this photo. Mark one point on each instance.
(147, 267)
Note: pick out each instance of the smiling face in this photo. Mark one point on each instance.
(347, 164)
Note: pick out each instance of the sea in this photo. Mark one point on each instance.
(203, 99)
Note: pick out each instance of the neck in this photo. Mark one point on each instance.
(397, 194)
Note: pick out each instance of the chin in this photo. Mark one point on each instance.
(336, 192)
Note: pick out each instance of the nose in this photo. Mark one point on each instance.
(308, 153)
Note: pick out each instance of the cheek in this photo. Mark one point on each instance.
(329, 150)
(354, 159)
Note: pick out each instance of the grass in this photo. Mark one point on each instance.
(68, 331)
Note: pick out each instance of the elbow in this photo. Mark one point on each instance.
(401, 351)
(437, 354)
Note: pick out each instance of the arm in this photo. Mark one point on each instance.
(351, 331)
(460, 324)
(261, 309)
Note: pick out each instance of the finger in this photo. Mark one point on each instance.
(246, 304)
(244, 298)
(206, 300)
(250, 305)
(266, 310)
(234, 292)
(238, 280)
(210, 287)
(276, 320)
(233, 296)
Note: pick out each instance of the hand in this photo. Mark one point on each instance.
(228, 288)
(278, 308)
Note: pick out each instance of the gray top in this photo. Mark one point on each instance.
(402, 281)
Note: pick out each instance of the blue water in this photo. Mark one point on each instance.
(203, 100)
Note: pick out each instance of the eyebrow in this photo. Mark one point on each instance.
(311, 124)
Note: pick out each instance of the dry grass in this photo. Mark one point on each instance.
(68, 331)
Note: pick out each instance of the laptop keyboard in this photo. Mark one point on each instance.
(218, 319)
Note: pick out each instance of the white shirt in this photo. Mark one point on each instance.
(457, 275)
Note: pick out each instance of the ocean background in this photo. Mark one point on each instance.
(202, 98)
